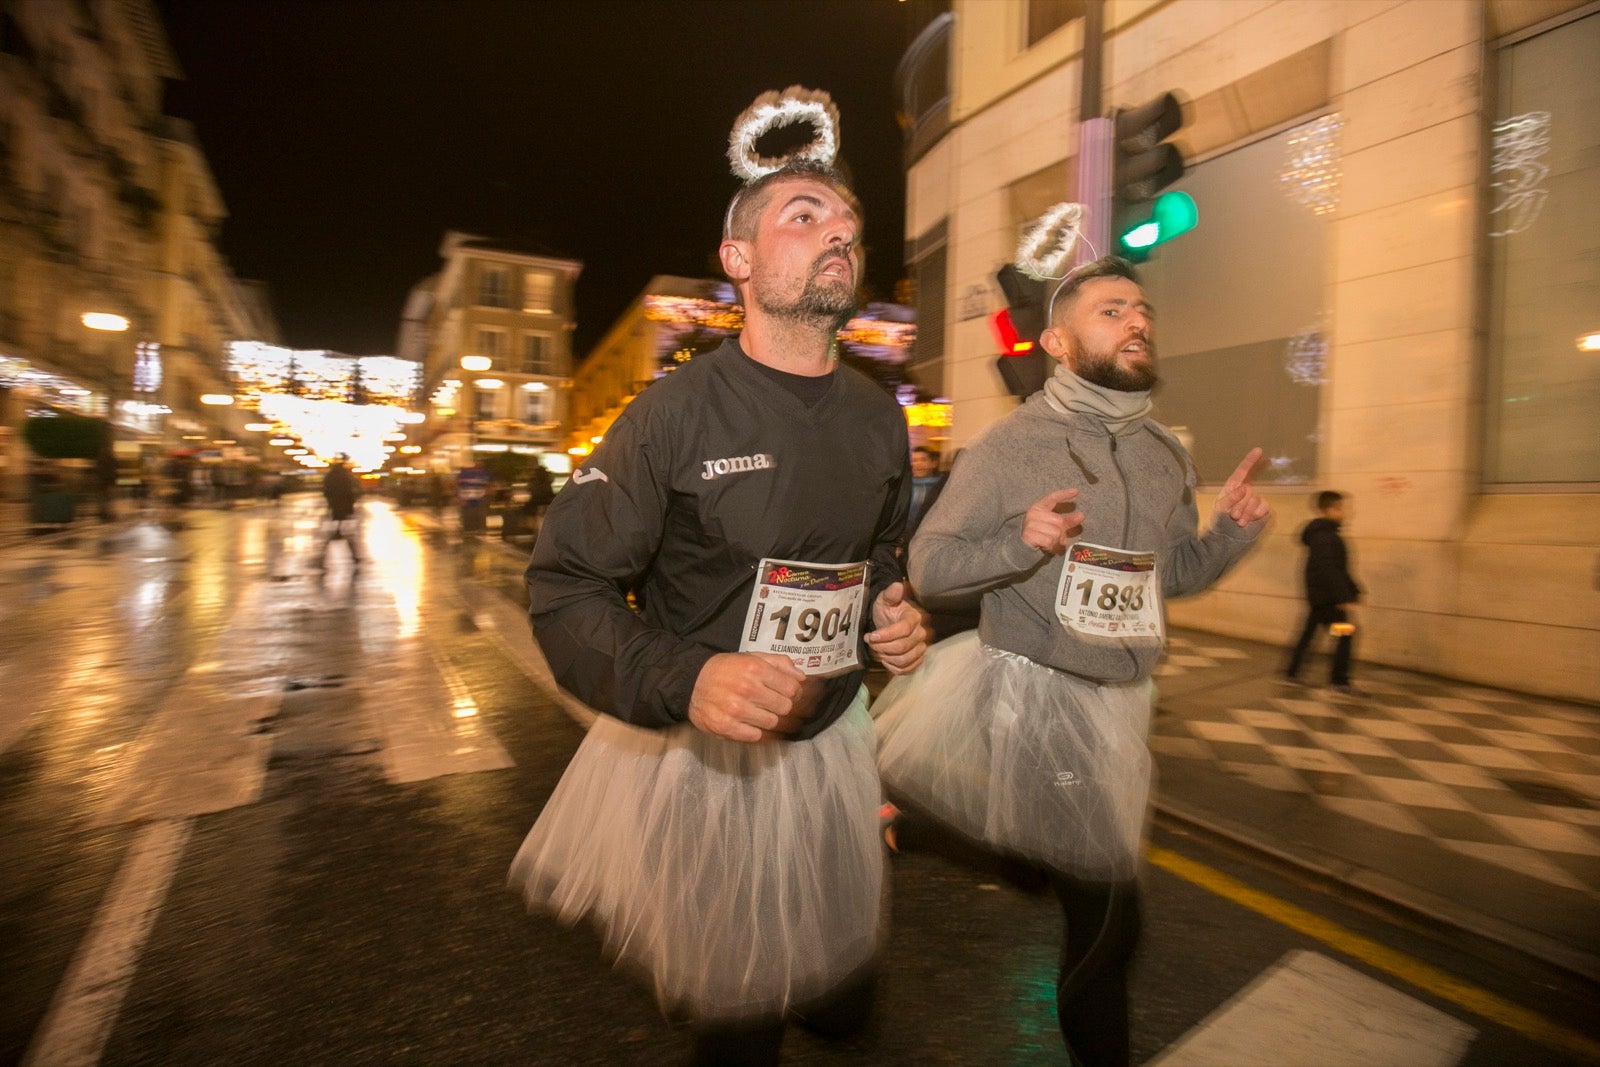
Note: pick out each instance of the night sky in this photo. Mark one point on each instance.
(347, 135)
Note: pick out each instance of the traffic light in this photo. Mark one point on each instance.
(1023, 365)
(1172, 213)
(1144, 163)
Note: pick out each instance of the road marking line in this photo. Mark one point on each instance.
(86, 1005)
(203, 750)
(1424, 976)
(1307, 1008)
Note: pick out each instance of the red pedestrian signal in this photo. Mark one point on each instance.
(1005, 334)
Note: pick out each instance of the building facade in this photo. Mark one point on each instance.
(1393, 287)
(493, 332)
(669, 323)
(107, 206)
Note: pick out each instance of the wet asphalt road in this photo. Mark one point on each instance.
(338, 768)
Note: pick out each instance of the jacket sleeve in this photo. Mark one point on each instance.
(1196, 560)
(969, 542)
(599, 538)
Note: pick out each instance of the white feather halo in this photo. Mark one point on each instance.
(772, 110)
(1042, 253)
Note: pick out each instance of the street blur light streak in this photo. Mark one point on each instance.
(262, 369)
(330, 427)
(931, 415)
(388, 539)
(489, 383)
(258, 427)
(1589, 342)
(281, 442)
(104, 320)
(476, 363)
(216, 400)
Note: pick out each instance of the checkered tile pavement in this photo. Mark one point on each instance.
(1508, 780)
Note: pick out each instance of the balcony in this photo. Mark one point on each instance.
(922, 85)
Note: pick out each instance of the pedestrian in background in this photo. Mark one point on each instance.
(340, 490)
(473, 487)
(1330, 592)
(925, 483)
(1073, 519)
(541, 490)
(718, 821)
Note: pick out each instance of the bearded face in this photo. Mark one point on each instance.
(827, 298)
(1107, 336)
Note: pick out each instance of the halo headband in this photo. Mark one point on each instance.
(1045, 247)
(772, 110)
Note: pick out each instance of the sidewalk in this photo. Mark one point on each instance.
(1475, 807)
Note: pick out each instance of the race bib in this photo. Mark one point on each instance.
(809, 612)
(1109, 592)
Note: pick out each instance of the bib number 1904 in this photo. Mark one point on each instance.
(812, 623)
(807, 612)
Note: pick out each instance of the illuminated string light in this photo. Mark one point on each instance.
(1311, 172)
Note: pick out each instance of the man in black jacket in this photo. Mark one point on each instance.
(1330, 591)
(712, 580)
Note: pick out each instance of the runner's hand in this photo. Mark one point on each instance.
(1238, 500)
(1046, 528)
(751, 696)
(900, 630)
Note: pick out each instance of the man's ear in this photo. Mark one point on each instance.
(735, 257)
(1054, 341)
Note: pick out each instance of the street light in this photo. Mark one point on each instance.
(476, 363)
(104, 320)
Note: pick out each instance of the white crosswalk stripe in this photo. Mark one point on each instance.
(1310, 1010)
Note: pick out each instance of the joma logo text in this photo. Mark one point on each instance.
(716, 468)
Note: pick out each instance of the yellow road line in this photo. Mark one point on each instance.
(1425, 977)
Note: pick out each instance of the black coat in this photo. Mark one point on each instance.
(339, 489)
(1328, 580)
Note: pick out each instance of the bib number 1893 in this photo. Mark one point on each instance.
(1109, 592)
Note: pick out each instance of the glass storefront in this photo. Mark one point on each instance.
(1543, 395)
(1239, 302)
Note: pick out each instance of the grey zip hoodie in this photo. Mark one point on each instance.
(1136, 490)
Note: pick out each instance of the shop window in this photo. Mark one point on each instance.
(1543, 204)
(1242, 331)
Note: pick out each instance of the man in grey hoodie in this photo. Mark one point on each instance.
(1070, 521)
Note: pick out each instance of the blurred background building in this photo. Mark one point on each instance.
(675, 319)
(1394, 286)
(493, 333)
(114, 301)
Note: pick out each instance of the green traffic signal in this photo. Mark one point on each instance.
(1172, 214)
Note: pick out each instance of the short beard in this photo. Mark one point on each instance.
(818, 306)
(1106, 372)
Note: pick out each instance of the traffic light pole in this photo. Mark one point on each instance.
(1095, 133)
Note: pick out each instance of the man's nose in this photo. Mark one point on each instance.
(841, 231)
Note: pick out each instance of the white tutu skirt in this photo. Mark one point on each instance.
(1029, 760)
(744, 879)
